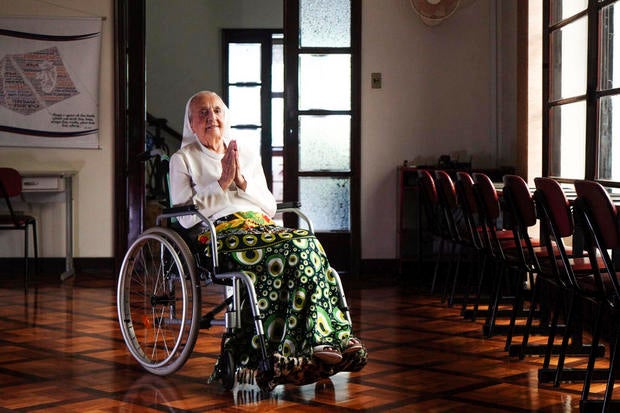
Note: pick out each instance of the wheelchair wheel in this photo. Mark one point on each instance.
(228, 369)
(158, 301)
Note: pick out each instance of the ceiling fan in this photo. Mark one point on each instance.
(433, 12)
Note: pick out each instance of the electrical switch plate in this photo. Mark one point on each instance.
(375, 80)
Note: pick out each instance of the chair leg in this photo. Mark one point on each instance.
(493, 306)
(36, 248)
(483, 269)
(567, 334)
(470, 276)
(585, 392)
(26, 269)
(612, 369)
(437, 263)
(457, 271)
(451, 258)
(535, 292)
(552, 332)
(516, 308)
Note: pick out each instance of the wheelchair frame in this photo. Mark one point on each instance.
(159, 297)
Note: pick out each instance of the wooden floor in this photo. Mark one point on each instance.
(62, 351)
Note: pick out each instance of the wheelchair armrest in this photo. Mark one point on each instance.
(180, 210)
(288, 205)
(293, 206)
(193, 210)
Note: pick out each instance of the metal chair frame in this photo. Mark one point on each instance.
(11, 187)
(159, 290)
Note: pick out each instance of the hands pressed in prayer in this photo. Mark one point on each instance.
(231, 172)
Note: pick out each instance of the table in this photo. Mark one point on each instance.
(43, 186)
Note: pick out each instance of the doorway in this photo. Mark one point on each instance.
(343, 244)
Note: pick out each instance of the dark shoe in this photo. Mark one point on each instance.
(327, 354)
(353, 346)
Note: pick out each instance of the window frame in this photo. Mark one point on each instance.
(592, 96)
(266, 38)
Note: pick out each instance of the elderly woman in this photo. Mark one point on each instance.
(307, 333)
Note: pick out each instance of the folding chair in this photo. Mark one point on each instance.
(598, 218)
(571, 277)
(10, 187)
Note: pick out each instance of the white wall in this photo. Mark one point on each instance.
(440, 95)
(184, 47)
(93, 189)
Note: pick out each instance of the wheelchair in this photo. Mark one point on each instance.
(159, 297)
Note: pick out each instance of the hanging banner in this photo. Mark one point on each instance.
(49, 81)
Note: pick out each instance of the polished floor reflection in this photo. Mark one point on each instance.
(62, 351)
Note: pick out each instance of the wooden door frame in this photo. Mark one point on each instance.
(130, 123)
(291, 158)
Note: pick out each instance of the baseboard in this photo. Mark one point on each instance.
(378, 267)
(53, 265)
(368, 267)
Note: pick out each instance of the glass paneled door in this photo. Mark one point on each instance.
(254, 92)
(321, 162)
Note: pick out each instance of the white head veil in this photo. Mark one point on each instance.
(188, 134)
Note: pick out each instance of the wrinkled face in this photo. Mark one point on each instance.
(207, 118)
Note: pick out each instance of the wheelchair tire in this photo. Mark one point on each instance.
(159, 301)
(228, 369)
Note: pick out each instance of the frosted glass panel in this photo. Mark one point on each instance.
(325, 143)
(568, 140)
(277, 68)
(277, 122)
(326, 201)
(244, 62)
(277, 173)
(569, 52)
(609, 138)
(325, 23)
(247, 137)
(325, 82)
(609, 55)
(244, 105)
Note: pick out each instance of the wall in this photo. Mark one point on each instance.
(441, 94)
(184, 47)
(93, 190)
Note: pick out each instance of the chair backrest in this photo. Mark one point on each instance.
(10, 186)
(551, 196)
(598, 217)
(488, 200)
(445, 189)
(556, 223)
(467, 200)
(429, 200)
(521, 211)
(427, 183)
(11, 182)
(489, 212)
(465, 190)
(448, 203)
(601, 209)
(517, 195)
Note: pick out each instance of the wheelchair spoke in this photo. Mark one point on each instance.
(158, 304)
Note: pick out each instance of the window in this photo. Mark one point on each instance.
(254, 92)
(582, 90)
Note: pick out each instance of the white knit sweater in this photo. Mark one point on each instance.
(194, 174)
